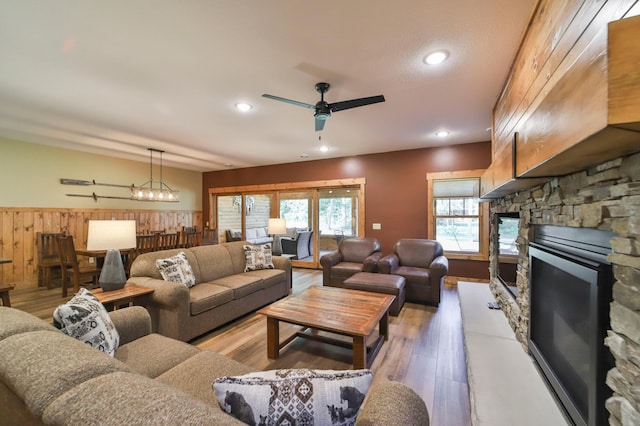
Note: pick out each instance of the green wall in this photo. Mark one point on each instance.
(30, 177)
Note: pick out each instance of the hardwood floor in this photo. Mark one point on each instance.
(425, 349)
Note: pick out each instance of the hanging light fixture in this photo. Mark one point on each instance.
(149, 191)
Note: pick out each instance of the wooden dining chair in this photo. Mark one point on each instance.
(146, 243)
(48, 258)
(192, 239)
(168, 241)
(209, 237)
(71, 270)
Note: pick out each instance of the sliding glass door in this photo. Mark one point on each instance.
(297, 209)
(337, 217)
(318, 215)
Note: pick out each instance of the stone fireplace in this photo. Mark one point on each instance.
(605, 197)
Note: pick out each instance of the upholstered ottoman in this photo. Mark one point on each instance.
(379, 283)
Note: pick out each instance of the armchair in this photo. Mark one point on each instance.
(354, 254)
(423, 265)
(301, 246)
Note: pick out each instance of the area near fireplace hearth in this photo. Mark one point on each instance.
(606, 198)
(505, 388)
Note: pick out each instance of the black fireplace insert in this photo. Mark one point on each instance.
(570, 284)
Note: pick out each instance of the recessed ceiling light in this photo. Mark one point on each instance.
(324, 148)
(243, 106)
(304, 155)
(437, 57)
(442, 134)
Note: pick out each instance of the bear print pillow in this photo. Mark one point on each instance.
(300, 396)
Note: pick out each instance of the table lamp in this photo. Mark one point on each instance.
(112, 236)
(276, 227)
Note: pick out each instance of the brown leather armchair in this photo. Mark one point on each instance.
(423, 265)
(354, 254)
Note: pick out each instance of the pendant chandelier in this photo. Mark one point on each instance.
(154, 191)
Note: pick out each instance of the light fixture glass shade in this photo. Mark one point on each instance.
(112, 235)
(276, 226)
(159, 191)
(146, 193)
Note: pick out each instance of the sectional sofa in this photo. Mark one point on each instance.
(47, 377)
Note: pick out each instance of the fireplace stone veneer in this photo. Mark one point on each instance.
(605, 197)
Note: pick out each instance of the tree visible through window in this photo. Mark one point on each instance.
(336, 215)
(457, 223)
(295, 212)
(456, 215)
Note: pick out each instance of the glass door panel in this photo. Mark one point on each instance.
(297, 209)
(229, 220)
(337, 217)
(257, 211)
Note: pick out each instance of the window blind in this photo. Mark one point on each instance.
(448, 188)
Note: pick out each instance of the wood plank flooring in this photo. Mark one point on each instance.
(425, 349)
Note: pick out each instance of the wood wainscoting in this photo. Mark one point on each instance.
(19, 227)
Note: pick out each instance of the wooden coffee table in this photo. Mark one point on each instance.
(346, 312)
(129, 294)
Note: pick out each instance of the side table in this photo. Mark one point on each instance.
(5, 288)
(127, 295)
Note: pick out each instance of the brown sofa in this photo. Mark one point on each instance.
(223, 291)
(354, 254)
(423, 265)
(47, 377)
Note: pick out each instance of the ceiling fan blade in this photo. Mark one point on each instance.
(353, 103)
(320, 123)
(289, 101)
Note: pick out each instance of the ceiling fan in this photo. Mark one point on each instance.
(323, 109)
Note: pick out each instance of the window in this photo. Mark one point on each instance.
(508, 235)
(338, 212)
(295, 212)
(456, 215)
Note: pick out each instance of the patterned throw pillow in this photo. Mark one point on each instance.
(307, 397)
(177, 270)
(258, 257)
(84, 318)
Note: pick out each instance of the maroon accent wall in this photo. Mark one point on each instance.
(396, 188)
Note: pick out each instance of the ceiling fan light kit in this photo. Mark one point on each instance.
(324, 109)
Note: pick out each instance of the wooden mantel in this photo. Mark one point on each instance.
(586, 111)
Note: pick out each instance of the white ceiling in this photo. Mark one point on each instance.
(116, 77)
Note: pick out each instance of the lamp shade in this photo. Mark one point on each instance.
(111, 234)
(276, 226)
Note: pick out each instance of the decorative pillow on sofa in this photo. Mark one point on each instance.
(86, 319)
(177, 270)
(258, 257)
(321, 397)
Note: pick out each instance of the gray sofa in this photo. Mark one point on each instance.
(253, 235)
(223, 291)
(47, 377)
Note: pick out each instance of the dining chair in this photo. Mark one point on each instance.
(144, 244)
(71, 270)
(209, 237)
(191, 239)
(168, 241)
(48, 258)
